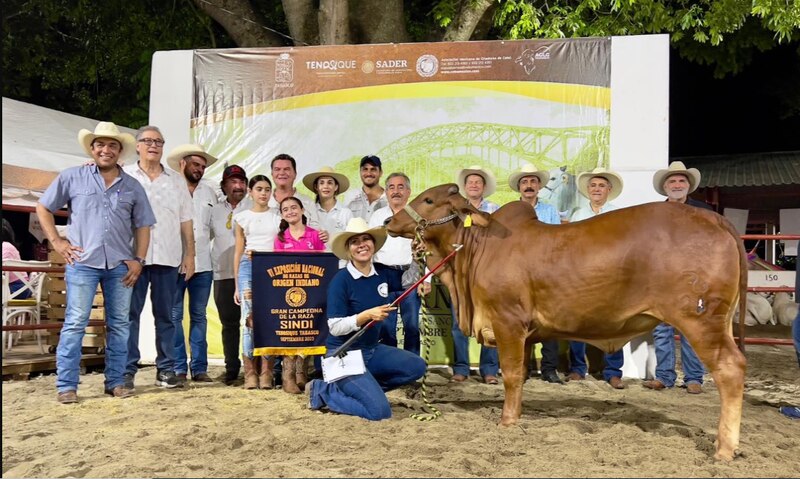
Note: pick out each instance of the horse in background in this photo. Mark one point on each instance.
(561, 191)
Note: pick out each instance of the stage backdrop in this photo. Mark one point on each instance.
(427, 109)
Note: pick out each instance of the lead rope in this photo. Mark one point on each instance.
(420, 255)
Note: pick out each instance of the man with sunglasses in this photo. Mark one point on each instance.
(234, 185)
(171, 252)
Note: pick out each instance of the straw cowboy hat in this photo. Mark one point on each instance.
(356, 226)
(190, 149)
(106, 129)
(527, 170)
(488, 179)
(310, 178)
(676, 168)
(613, 178)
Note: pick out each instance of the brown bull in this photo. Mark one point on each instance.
(602, 281)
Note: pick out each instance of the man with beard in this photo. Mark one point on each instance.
(528, 180)
(395, 256)
(171, 252)
(676, 183)
(371, 196)
(192, 161)
(234, 185)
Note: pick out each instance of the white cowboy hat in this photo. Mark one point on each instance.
(356, 226)
(613, 178)
(182, 151)
(527, 170)
(676, 168)
(488, 179)
(106, 129)
(310, 178)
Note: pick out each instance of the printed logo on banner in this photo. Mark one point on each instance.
(368, 66)
(296, 297)
(528, 58)
(427, 66)
(284, 69)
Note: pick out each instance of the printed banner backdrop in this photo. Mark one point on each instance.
(290, 293)
(426, 109)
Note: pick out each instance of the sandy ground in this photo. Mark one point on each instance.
(581, 429)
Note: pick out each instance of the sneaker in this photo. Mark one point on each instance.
(167, 379)
(128, 381)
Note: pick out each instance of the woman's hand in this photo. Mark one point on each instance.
(236, 296)
(378, 313)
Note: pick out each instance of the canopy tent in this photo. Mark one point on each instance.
(37, 144)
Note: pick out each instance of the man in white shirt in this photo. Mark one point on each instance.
(192, 161)
(371, 196)
(171, 252)
(395, 257)
(234, 185)
(284, 172)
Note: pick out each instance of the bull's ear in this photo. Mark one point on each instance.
(471, 216)
(452, 190)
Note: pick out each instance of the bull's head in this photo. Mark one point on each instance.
(435, 206)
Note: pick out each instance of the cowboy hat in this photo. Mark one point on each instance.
(676, 168)
(310, 178)
(355, 227)
(613, 178)
(182, 151)
(527, 170)
(488, 179)
(106, 129)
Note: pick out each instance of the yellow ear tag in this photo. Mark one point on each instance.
(468, 221)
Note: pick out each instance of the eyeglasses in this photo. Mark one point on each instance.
(151, 142)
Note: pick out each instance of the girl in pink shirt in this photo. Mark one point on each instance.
(10, 251)
(294, 236)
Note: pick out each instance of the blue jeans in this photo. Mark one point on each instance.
(246, 305)
(364, 395)
(489, 362)
(162, 281)
(199, 287)
(577, 361)
(81, 287)
(409, 313)
(664, 337)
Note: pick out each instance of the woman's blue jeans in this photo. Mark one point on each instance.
(245, 284)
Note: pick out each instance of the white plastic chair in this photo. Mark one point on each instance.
(15, 311)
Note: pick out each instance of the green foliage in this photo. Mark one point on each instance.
(722, 32)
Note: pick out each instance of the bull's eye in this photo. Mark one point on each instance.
(428, 201)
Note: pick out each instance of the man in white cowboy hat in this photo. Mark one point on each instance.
(528, 181)
(234, 186)
(371, 196)
(396, 256)
(108, 235)
(171, 253)
(676, 183)
(327, 184)
(600, 186)
(192, 160)
(476, 183)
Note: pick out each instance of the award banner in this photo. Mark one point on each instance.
(290, 293)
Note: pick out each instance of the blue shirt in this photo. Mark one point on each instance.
(487, 206)
(350, 293)
(547, 213)
(102, 220)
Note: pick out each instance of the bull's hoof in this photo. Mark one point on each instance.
(726, 454)
(505, 421)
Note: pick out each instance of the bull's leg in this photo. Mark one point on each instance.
(727, 364)
(511, 349)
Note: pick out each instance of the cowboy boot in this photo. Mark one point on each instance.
(300, 368)
(288, 376)
(250, 378)
(265, 379)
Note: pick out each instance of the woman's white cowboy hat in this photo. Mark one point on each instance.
(613, 178)
(355, 227)
(488, 179)
(676, 168)
(310, 178)
(189, 149)
(106, 129)
(527, 170)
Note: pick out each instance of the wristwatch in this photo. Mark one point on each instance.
(140, 260)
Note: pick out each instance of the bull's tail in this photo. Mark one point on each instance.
(742, 278)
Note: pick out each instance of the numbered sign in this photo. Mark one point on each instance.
(770, 278)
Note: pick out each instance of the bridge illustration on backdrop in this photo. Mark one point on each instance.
(431, 156)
